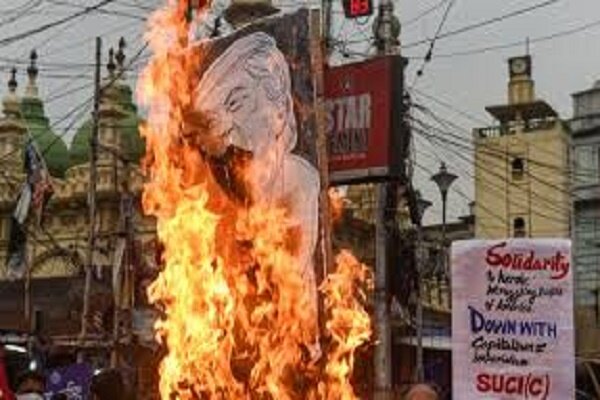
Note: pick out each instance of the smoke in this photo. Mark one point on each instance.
(211, 22)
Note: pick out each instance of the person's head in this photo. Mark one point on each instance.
(59, 396)
(31, 386)
(421, 392)
(107, 385)
(245, 96)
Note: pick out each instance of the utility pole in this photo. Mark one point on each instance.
(123, 277)
(422, 205)
(387, 44)
(92, 196)
(327, 21)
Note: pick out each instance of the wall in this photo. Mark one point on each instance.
(540, 196)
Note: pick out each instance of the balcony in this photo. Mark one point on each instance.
(513, 128)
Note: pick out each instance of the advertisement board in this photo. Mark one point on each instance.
(364, 120)
(512, 319)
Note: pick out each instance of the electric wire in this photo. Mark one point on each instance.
(424, 13)
(429, 53)
(483, 23)
(42, 28)
(490, 185)
(85, 103)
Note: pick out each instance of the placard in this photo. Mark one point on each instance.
(512, 320)
(73, 380)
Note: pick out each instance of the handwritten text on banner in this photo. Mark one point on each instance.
(512, 319)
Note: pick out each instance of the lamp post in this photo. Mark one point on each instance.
(444, 180)
(422, 206)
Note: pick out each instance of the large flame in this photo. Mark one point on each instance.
(237, 320)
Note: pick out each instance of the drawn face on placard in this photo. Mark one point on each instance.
(245, 98)
(244, 114)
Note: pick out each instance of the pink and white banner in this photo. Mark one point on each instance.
(512, 320)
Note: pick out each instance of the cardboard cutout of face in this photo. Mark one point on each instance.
(244, 102)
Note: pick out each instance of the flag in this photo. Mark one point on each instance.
(16, 255)
(35, 193)
(38, 179)
(5, 392)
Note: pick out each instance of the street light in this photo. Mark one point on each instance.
(422, 206)
(443, 180)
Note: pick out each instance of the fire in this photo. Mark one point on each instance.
(237, 317)
(348, 324)
(336, 203)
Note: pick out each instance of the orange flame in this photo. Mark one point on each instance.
(336, 204)
(348, 324)
(237, 318)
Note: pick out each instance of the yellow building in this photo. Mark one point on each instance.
(56, 252)
(522, 165)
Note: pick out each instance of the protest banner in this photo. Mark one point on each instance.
(512, 319)
(73, 380)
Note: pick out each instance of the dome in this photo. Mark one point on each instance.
(50, 145)
(133, 145)
(117, 99)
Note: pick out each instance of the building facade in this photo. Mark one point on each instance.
(46, 303)
(522, 165)
(585, 126)
(437, 308)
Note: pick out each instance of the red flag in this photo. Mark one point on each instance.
(5, 392)
(39, 180)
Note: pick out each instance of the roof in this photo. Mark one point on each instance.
(593, 89)
(128, 128)
(50, 145)
(537, 109)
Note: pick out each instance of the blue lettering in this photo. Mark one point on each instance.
(477, 320)
(526, 328)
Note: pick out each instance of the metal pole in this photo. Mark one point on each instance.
(386, 213)
(383, 350)
(92, 196)
(28, 307)
(420, 376)
(124, 286)
(444, 252)
(327, 21)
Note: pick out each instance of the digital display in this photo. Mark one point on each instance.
(358, 8)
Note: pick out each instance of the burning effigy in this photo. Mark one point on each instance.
(234, 185)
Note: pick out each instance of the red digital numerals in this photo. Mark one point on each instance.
(358, 8)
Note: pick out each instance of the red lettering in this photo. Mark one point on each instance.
(536, 386)
(483, 383)
(558, 265)
(530, 386)
(492, 258)
(512, 385)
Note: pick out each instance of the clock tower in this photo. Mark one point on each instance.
(520, 85)
(522, 165)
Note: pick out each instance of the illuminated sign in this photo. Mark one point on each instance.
(358, 8)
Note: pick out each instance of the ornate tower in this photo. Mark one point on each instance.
(522, 165)
(50, 146)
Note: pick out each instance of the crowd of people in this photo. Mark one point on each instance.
(106, 385)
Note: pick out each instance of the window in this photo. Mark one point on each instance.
(586, 165)
(518, 168)
(519, 228)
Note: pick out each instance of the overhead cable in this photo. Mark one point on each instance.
(486, 22)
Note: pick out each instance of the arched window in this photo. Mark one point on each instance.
(518, 168)
(519, 227)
